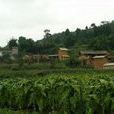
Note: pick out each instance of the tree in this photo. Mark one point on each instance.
(93, 25)
(12, 43)
(69, 39)
(27, 45)
(94, 37)
(47, 33)
(86, 28)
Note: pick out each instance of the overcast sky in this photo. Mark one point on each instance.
(29, 18)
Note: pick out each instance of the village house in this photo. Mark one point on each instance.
(108, 66)
(94, 59)
(54, 56)
(63, 53)
(14, 51)
(11, 53)
(35, 58)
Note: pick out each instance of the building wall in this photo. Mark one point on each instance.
(1, 54)
(87, 59)
(84, 60)
(14, 51)
(63, 54)
(99, 62)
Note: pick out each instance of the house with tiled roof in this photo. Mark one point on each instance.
(95, 59)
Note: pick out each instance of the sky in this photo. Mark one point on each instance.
(30, 18)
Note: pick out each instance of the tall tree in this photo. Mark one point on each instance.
(12, 43)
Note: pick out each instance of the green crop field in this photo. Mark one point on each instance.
(79, 92)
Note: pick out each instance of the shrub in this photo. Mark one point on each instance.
(73, 62)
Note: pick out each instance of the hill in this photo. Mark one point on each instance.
(93, 38)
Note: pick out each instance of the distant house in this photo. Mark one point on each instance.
(54, 56)
(108, 66)
(93, 53)
(9, 53)
(63, 53)
(99, 61)
(14, 51)
(31, 58)
(95, 59)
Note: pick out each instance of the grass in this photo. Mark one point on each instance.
(7, 111)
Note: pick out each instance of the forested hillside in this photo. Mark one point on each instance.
(93, 38)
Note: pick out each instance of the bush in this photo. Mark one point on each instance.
(20, 62)
(73, 62)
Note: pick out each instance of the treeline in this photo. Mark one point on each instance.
(94, 37)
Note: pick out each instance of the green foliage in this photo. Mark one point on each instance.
(89, 92)
(20, 62)
(12, 43)
(6, 57)
(52, 63)
(73, 61)
(7, 111)
(94, 37)
(26, 45)
(69, 39)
